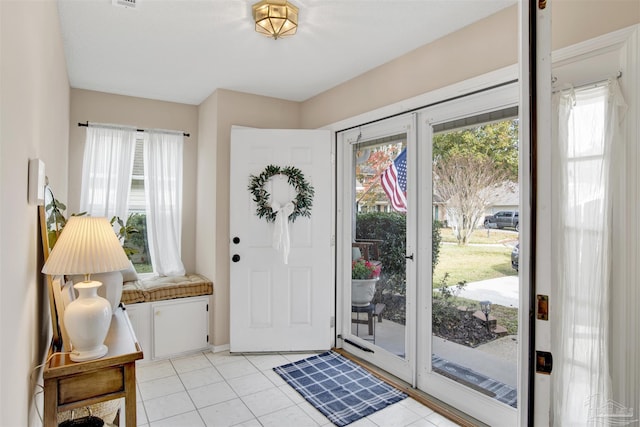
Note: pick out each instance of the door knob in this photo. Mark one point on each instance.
(236, 240)
(235, 258)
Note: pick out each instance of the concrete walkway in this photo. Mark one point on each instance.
(491, 364)
(502, 291)
(495, 359)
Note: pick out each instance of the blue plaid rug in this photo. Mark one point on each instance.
(343, 391)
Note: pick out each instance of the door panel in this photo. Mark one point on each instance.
(383, 236)
(457, 371)
(277, 306)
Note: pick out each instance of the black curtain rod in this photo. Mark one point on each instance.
(86, 124)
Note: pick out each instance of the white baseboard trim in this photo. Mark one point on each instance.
(220, 348)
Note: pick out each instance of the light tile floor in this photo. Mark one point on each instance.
(219, 389)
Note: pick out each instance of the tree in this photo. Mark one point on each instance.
(373, 162)
(496, 141)
(471, 169)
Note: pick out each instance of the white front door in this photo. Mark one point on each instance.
(278, 306)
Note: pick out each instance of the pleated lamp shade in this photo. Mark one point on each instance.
(87, 245)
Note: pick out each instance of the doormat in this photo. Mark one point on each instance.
(476, 381)
(339, 388)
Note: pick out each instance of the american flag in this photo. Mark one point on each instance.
(394, 182)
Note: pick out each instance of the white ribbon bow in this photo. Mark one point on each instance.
(281, 229)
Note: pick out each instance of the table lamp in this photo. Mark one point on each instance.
(87, 245)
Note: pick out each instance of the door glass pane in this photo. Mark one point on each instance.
(378, 286)
(475, 263)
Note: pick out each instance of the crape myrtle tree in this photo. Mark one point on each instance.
(370, 163)
(471, 170)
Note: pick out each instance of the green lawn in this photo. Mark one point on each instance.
(481, 236)
(143, 268)
(472, 263)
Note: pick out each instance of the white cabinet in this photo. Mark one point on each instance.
(172, 327)
(141, 326)
(180, 326)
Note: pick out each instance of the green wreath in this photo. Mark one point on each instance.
(302, 203)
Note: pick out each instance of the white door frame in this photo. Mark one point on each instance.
(484, 408)
(402, 368)
(506, 74)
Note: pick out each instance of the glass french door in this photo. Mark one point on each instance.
(401, 215)
(378, 243)
(468, 283)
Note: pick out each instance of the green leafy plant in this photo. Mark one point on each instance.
(390, 229)
(124, 233)
(56, 220)
(363, 270)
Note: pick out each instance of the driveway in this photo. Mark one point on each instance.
(502, 291)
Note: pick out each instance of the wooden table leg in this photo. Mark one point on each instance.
(130, 394)
(50, 404)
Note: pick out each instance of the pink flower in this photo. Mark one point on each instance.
(363, 270)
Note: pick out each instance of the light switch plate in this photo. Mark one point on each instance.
(36, 182)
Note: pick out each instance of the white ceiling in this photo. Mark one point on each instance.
(183, 50)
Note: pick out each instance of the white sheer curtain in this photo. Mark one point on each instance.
(163, 189)
(583, 171)
(106, 170)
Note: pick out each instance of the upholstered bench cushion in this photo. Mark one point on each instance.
(164, 288)
(132, 292)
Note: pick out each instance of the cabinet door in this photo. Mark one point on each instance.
(180, 326)
(141, 324)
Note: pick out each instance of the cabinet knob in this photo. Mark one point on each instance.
(235, 258)
(236, 240)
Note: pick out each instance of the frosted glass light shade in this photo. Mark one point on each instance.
(86, 245)
(275, 18)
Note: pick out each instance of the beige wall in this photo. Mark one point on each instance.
(415, 73)
(218, 113)
(101, 107)
(575, 21)
(34, 118)
(480, 48)
(35, 123)
(477, 49)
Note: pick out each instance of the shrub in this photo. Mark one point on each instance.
(390, 229)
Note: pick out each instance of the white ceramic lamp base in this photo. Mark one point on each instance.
(84, 355)
(87, 320)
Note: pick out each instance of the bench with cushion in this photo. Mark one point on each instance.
(170, 315)
(165, 288)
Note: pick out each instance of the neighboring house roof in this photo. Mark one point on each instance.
(509, 195)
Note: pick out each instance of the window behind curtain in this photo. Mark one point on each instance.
(585, 173)
(137, 212)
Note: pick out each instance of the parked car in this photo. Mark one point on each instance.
(515, 255)
(503, 219)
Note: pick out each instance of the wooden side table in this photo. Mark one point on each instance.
(70, 385)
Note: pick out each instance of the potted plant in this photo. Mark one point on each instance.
(364, 275)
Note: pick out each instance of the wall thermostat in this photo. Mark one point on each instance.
(36, 182)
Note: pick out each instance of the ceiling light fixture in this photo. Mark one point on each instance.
(275, 18)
